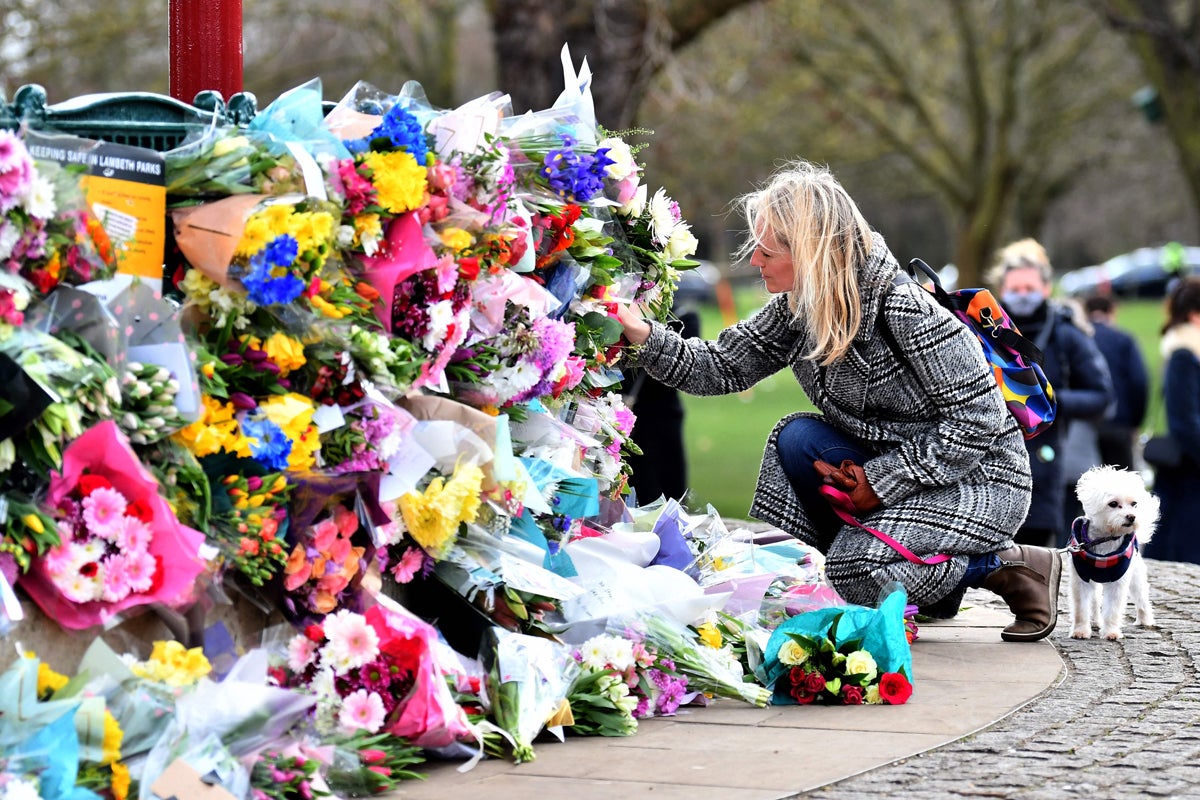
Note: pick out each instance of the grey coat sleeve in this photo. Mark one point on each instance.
(740, 356)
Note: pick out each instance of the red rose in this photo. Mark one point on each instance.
(894, 688)
(796, 675)
(468, 267)
(814, 682)
(315, 633)
(852, 695)
(140, 509)
(89, 483)
(802, 697)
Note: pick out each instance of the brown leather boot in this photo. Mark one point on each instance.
(1027, 579)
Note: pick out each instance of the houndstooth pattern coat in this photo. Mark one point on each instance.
(950, 464)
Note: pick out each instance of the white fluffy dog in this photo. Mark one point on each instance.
(1118, 515)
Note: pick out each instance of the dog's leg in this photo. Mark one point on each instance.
(1082, 599)
(1116, 594)
(1139, 588)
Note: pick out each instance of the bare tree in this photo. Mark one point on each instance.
(1165, 36)
(625, 41)
(981, 100)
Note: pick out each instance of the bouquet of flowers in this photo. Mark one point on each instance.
(122, 545)
(622, 681)
(707, 669)
(325, 568)
(842, 654)
(374, 673)
(47, 233)
(528, 678)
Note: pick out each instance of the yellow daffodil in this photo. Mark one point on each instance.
(285, 351)
(710, 635)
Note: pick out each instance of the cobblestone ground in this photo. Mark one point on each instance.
(1124, 723)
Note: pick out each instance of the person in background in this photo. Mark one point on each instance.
(913, 437)
(1116, 434)
(661, 469)
(1178, 488)
(1023, 279)
(1109, 440)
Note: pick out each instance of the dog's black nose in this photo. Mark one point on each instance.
(1129, 518)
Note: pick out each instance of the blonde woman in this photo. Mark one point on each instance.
(912, 425)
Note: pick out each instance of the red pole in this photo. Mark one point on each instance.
(205, 38)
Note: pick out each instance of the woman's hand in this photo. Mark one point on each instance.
(637, 330)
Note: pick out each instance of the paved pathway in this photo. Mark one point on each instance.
(1125, 722)
(1110, 720)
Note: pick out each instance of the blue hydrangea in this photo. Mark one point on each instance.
(271, 447)
(575, 176)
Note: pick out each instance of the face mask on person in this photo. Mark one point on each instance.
(1022, 304)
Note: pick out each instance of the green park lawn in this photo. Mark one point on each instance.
(725, 435)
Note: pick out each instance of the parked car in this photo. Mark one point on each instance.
(698, 284)
(1139, 273)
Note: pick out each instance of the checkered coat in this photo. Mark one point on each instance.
(949, 461)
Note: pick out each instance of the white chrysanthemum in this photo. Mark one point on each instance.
(441, 314)
(594, 653)
(511, 381)
(682, 242)
(620, 653)
(623, 164)
(662, 218)
(39, 198)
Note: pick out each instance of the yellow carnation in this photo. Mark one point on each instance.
(398, 179)
(49, 681)
(457, 239)
(120, 781)
(110, 746)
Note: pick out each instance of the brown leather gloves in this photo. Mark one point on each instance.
(851, 479)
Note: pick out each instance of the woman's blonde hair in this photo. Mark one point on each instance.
(810, 213)
(1023, 254)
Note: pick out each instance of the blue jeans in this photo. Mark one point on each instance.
(805, 440)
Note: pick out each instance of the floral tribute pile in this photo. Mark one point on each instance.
(383, 360)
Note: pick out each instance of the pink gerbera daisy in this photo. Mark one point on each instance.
(362, 710)
(352, 642)
(301, 651)
(134, 535)
(410, 563)
(104, 512)
(140, 567)
(116, 578)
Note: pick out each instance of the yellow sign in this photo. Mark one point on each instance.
(125, 189)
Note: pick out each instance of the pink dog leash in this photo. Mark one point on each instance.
(843, 506)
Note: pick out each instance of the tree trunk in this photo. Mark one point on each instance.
(1169, 51)
(625, 42)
